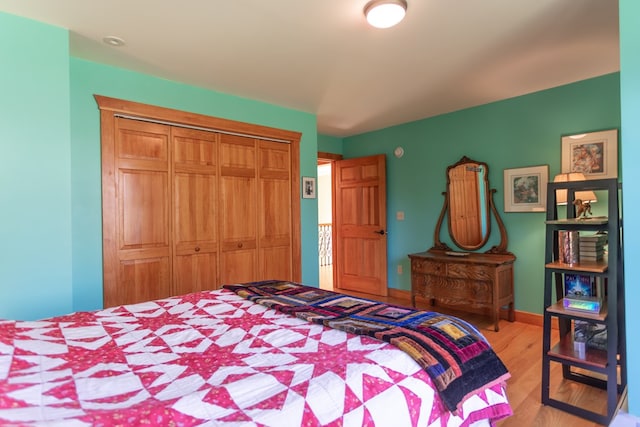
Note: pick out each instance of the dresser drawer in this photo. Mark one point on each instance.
(429, 267)
(469, 271)
(459, 291)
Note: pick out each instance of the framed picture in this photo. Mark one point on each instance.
(308, 187)
(525, 189)
(595, 154)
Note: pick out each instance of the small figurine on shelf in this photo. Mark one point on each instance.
(582, 208)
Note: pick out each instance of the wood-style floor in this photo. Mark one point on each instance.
(519, 345)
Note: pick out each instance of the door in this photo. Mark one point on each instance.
(195, 219)
(238, 209)
(361, 224)
(137, 223)
(274, 221)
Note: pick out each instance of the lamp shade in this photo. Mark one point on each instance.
(385, 13)
(561, 195)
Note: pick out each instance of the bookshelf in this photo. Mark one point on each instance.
(602, 366)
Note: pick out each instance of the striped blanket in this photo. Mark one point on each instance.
(454, 353)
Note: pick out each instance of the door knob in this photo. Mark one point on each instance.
(380, 232)
(197, 249)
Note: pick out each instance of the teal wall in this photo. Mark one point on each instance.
(329, 144)
(35, 193)
(630, 106)
(518, 132)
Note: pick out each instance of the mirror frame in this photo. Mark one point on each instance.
(501, 248)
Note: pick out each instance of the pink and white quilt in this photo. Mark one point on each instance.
(215, 359)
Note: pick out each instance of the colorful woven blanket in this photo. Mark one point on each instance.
(456, 356)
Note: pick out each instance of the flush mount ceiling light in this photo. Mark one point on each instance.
(385, 13)
(113, 41)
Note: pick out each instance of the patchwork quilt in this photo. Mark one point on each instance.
(215, 359)
(456, 356)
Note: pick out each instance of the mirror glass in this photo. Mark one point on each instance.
(467, 194)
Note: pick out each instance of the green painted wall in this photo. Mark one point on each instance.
(518, 132)
(87, 79)
(630, 106)
(35, 193)
(329, 144)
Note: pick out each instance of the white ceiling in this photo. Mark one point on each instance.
(320, 56)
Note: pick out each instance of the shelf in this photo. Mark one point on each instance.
(585, 266)
(607, 363)
(559, 309)
(598, 220)
(564, 351)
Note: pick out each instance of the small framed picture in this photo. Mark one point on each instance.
(525, 189)
(595, 154)
(308, 187)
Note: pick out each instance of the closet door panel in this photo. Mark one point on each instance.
(195, 193)
(275, 263)
(195, 272)
(238, 209)
(144, 279)
(275, 229)
(142, 210)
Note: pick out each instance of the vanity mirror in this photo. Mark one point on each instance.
(468, 206)
(464, 280)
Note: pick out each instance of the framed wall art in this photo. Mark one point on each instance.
(525, 189)
(595, 154)
(308, 187)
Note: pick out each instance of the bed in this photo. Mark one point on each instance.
(258, 354)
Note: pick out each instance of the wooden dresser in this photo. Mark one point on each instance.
(477, 282)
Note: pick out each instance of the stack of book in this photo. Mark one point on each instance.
(592, 246)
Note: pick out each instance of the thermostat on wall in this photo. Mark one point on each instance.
(398, 152)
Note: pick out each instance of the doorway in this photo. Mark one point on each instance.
(325, 225)
(326, 245)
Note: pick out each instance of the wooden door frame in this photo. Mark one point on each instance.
(110, 108)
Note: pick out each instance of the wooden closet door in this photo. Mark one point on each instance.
(137, 230)
(275, 211)
(195, 219)
(238, 209)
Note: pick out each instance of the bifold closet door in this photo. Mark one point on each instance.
(195, 211)
(238, 209)
(137, 237)
(274, 221)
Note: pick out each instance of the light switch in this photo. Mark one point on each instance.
(400, 215)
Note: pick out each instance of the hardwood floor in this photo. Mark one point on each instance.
(519, 345)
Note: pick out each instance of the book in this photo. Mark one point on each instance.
(593, 238)
(591, 245)
(579, 285)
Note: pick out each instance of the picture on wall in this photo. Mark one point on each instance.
(595, 154)
(308, 187)
(525, 189)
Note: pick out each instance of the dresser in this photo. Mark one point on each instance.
(475, 282)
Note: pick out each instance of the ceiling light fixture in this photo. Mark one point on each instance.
(385, 13)
(113, 41)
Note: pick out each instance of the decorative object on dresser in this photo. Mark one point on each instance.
(474, 281)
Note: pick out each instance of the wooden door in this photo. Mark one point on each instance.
(136, 223)
(274, 220)
(238, 209)
(195, 218)
(361, 224)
